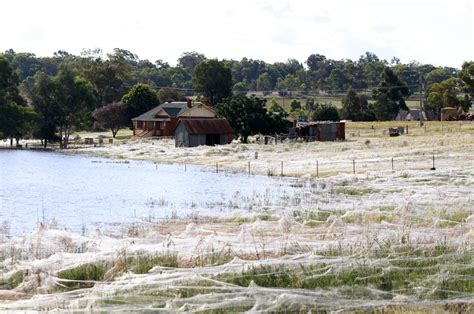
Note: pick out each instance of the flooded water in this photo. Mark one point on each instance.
(81, 192)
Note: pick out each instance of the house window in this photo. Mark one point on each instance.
(139, 124)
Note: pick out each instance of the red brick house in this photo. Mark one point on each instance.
(163, 119)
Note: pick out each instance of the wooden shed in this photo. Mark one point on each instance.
(196, 132)
(322, 131)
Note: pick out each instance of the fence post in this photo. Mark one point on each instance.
(317, 169)
(249, 168)
(354, 166)
(433, 168)
(392, 163)
(217, 167)
(185, 166)
(407, 128)
(281, 173)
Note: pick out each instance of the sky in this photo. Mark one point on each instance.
(429, 31)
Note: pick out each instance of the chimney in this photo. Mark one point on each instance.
(190, 103)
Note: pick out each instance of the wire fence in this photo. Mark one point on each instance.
(321, 168)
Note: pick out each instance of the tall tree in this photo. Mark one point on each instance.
(108, 77)
(189, 60)
(356, 107)
(75, 100)
(445, 94)
(248, 116)
(326, 112)
(16, 118)
(139, 99)
(170, 94)
(214, 79)
(42, 94)
(467, 76)
(439, 75)
(389, 96)
(263, 82)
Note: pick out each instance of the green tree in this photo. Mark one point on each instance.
(140, 99)
(263, 82)
(439, 75)
(295, 104)
(240, 87)
(214, 79)
(409, 75)
(446, 94)
(109, 78)
(248, 116)
(389, 96)
(275, 106)
(170, 94)
(42, 94)
(326, 112)
(189, 60)
(356, 107)
(74, 98)
(16, 118)
(290, 83)
(467, 76)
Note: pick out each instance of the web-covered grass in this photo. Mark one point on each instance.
(372, 241)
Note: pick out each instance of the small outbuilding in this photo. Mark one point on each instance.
(196, 132)
(322, 131)
(449, 113)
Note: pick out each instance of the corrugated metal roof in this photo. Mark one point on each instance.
(173, 109)
(207, 126)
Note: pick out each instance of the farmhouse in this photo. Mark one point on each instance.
(195, 132)
(414, 115)
(163, 119)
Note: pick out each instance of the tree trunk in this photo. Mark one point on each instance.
(245, 138)
(45, 143)
(114, 132)
(67, 131)
(61, 137)
(11, 141)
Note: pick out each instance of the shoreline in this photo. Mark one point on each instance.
(388, 234)
(302, 159)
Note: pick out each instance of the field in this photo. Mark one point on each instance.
(356, 235)
(285, 102)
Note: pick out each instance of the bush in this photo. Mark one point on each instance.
(326, 112)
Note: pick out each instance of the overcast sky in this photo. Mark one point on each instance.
(430, 31)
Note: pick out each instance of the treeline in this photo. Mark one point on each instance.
(114, 73)
(49, 97)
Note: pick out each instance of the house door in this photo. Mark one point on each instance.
(213, 139)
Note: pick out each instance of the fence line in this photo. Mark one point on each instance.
(348, 166)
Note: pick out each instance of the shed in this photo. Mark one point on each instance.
(323, 131)
(210, 132)
(449, 113)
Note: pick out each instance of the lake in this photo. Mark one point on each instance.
(83, 192)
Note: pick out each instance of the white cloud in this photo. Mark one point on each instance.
(438, 32)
